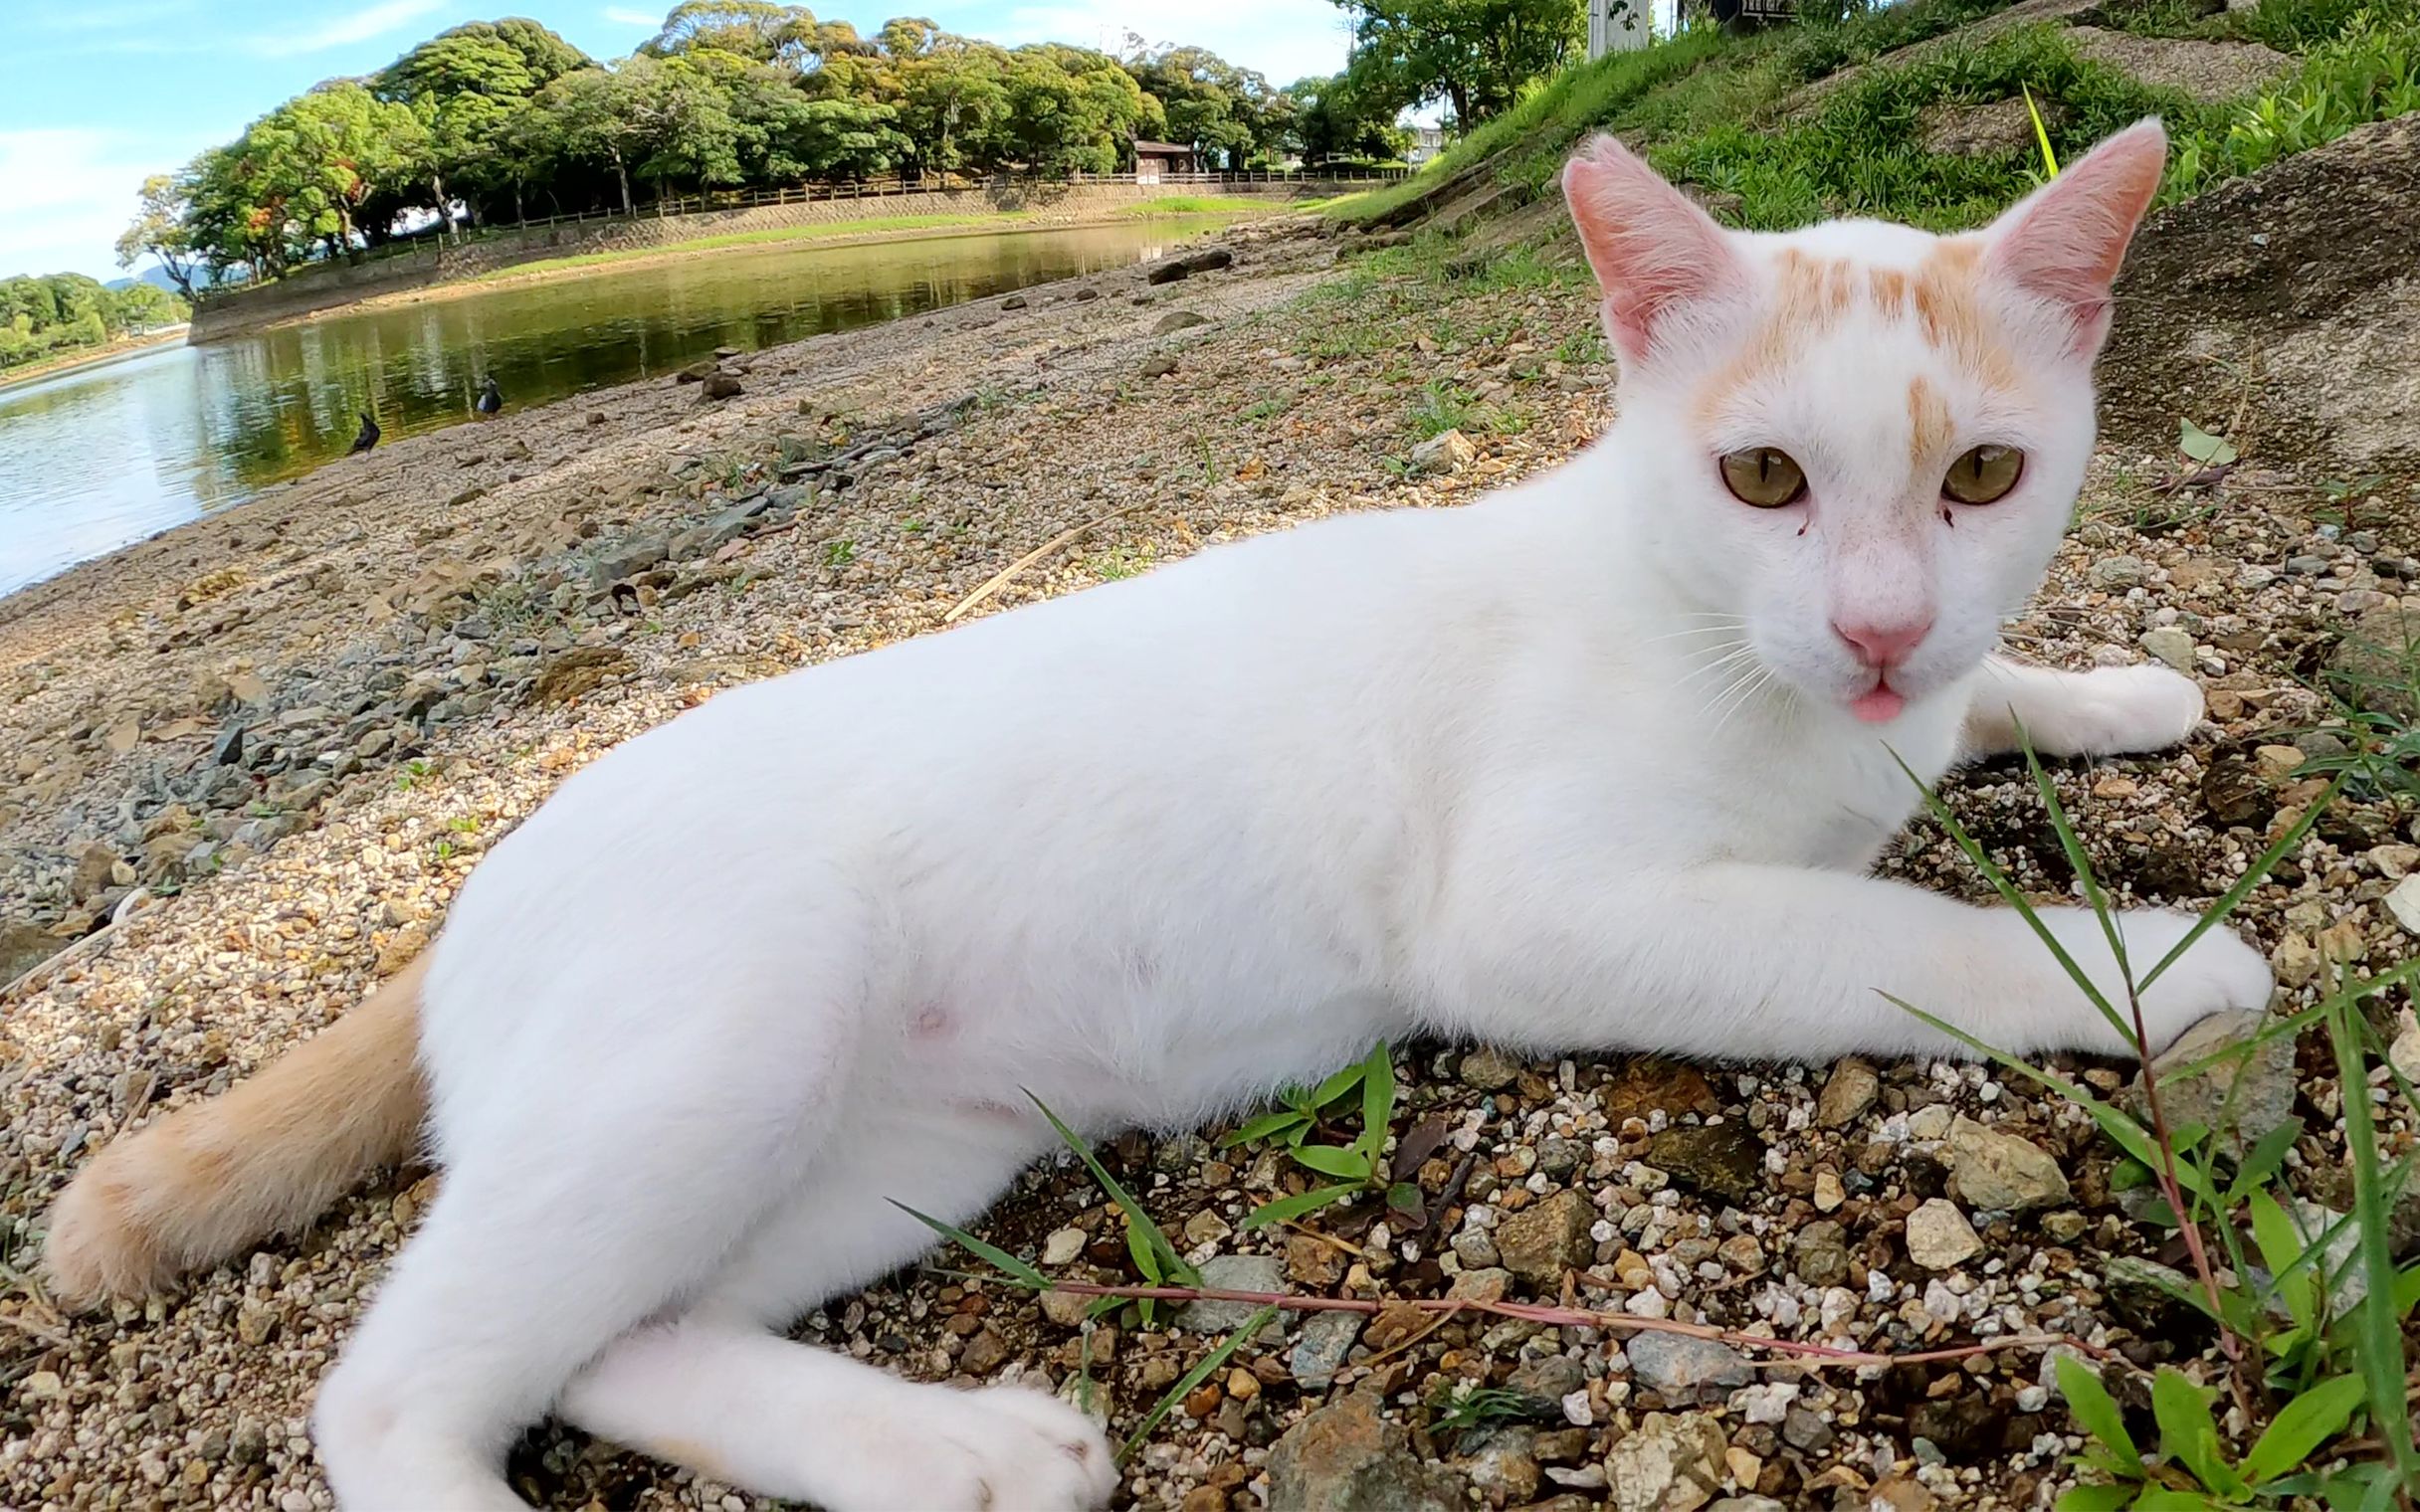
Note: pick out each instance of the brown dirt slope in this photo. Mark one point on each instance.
(2291, 295)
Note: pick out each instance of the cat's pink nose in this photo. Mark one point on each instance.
(1882, 645)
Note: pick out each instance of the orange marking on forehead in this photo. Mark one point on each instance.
(1949, 310)
(1929, 431)
(1813, 296)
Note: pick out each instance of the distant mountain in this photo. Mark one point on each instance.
(157, 277)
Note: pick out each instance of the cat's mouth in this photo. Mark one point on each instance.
(1879, 705)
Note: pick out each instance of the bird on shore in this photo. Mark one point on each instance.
(366, 438)
(491, 399)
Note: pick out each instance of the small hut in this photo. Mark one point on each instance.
(1154, 161)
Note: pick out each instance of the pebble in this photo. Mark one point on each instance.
(1233, 1272)
(1064, 1246)
(1327, 1338)
(1543, 1242)
(1939, 1238)
(1999, 1172)
(1667, 1464)
(1680, 1366)
(1847, 1093)
(2170, 645)
(2404, 903)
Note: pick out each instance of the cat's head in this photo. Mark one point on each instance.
(1862, 440)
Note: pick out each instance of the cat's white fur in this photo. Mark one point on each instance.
(1570, 769)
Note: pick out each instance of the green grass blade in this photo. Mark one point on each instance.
(1173, 1263)
(1377, 1104)
(2187, 1431)
(2301, 1425)
(1328, 1160)
(2009, 894)
(1189, 1380)
(2282, 1250)
(1337, 1086)
(1009, 1264)
(1266, 1126)
(2049, 159)
(2077, 856)
(2253, 876)
(2379, 1335)
(1293, 1207)
(2095, 1409)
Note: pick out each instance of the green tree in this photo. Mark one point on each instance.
(466, 88)
(1211, 105)
(142, 307)
(159, 228)
(1335, 120)
(1476, 54)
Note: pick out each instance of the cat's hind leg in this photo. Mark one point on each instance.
(2107, 711)
(606, 1157)
(720, 1391)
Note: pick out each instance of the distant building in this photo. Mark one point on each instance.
(1427, 142)
(1156, 160)
(1617, 26)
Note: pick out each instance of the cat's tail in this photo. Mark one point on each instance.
(268, 1156)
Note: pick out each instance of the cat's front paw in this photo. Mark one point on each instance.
(2218, 973)
(2126, 710)
(988, 1450)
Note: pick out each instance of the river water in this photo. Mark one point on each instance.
(95, 459)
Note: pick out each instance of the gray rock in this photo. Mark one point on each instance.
(1447, 451)
(1542, 1241)
(2000, 1172)
(1476, 1249)
(2170, 645)
(1013, 301)
(228, 749)
(1940, 1236)
(23, 947)
(2118, 572)
(1489, 1069)
(1235, 1272)
(1346, 1457)
(1550, 1378)
(1178, 319)
(1501, 1464)
(1087, 295)
(1820, 1254)
(1327, 1338)
(1803, 1428)
(2241, 1100)
(1679, 1367)
(1667, 1464)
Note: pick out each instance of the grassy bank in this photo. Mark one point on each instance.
(1735, 116)
(881, 225)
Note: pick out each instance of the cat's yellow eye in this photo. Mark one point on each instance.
(1765, 476)
(1984, 475)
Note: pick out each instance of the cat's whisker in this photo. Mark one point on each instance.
(1732, 659)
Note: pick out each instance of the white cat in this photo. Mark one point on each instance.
(1600, 763)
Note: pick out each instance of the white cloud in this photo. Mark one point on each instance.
(621, 15)
(361, 25)
(1284, 40)
(70, 191)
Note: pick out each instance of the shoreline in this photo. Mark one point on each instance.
(93, 357)
(513, 277)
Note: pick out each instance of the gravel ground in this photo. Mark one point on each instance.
(413, 664)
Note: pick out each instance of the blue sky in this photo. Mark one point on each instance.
(97, 93)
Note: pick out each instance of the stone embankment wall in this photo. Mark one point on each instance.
(328, 286)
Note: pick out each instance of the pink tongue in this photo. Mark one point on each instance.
(1879, 705)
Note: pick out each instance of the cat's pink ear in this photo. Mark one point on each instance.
(2063, 242)
(1653, 249)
